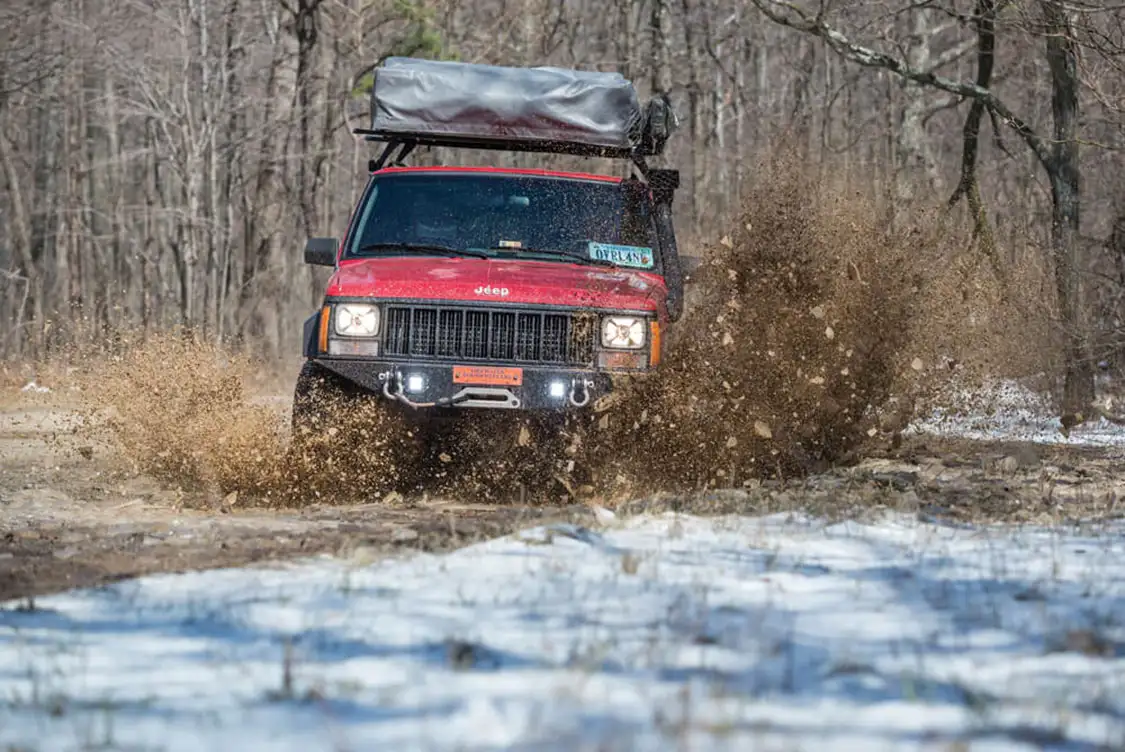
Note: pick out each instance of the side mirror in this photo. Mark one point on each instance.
(321, 251)
(690, 265)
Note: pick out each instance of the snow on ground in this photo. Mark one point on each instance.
(662, 633)
(1006, 410)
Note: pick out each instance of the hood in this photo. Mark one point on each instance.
(498, 281)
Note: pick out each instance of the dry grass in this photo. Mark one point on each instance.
(978, 320)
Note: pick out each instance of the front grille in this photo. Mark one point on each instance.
(482, 334)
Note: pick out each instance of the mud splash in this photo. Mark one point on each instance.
(179, 409)
(802, 333)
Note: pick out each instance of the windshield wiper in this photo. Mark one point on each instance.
(423, 248)
(572, 257)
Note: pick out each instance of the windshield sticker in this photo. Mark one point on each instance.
(510, 244)
(623, 255)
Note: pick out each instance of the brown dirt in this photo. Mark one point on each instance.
(940, 479)
(819, 329)
(804, 332)
(193, 415)
(73, 513)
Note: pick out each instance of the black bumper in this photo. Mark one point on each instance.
(580, 388)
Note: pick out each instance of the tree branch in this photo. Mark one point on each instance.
(985, 22)
(998, 139)
(788, 14)
(953, 54)
(951, 102)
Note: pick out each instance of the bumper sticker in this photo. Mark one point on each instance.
(623, 255)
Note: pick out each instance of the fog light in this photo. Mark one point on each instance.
(558, 389)
(415, 383)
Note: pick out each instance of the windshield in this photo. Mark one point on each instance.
(549, 218)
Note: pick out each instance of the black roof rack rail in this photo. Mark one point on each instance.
(406, 143)
(499, 144)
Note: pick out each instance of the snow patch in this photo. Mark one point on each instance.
(1007, 410)
(733, 633)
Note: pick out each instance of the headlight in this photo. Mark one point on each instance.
(357, 320)
(626, 332)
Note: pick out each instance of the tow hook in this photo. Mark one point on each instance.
(580, 392)
(390, 378)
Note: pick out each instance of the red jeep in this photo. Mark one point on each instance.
(468, 287)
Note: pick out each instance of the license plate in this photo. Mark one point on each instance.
(487, 375)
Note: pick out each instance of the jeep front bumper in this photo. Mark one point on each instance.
(421, 384)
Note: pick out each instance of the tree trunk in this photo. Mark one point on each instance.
(27, 267)
(1062, 57)
(968, 187)
(800, 117)
(916, 166)
(306, 31)
(658, 30)
(625, 37)
(695, 115)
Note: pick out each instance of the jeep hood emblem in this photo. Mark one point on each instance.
(502, 292)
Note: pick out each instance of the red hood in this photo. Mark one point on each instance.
(484, 281)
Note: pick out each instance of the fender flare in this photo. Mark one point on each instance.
(308, 336)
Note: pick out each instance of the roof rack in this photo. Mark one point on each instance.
(542, 110)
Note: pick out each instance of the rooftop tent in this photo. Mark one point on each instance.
(548, 109)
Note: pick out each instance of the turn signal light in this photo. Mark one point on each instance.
(357, 347)
(325, 318)
(654, 343)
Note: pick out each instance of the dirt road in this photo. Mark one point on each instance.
(71, 514)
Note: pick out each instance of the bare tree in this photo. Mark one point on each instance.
(1057, 155)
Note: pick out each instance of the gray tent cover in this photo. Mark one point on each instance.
(469, 101)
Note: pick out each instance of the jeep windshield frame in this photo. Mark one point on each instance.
(498, 213)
